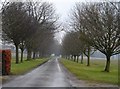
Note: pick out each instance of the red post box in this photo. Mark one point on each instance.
(6, 62)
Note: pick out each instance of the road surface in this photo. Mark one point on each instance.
(50, 74)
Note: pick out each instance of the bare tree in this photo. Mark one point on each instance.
(72, 45)
(14, 20)
(86, 50)
(99, 24)
(45, 17)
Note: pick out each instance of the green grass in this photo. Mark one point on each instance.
(94, 72)
(21, 68)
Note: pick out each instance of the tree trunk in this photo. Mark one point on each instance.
(65, 57)
(17, 54)
(74, 58)
(82, 58)
(88, 60)
(28, 54)
(77, 58)
(107, 67)
(22, 49)
(34, 55)
(22, 55)
(39, 54)
(71, 58)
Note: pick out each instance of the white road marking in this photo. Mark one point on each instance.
(58, 65)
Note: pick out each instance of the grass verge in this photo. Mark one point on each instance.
(21, 68)
(93, 73)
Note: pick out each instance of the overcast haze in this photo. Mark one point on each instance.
(63, 9)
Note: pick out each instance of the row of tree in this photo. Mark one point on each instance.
(73, 47)
(96, 27)
(30, 26)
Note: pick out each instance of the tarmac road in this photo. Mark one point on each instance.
(50, 74)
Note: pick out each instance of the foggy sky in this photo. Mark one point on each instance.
(63, 9)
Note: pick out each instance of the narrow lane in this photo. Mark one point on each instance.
(50, 74)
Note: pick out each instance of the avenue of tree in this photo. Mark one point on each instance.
(32, 26)
(98, 28)
(29, 26)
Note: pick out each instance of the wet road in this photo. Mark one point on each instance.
(50, 74)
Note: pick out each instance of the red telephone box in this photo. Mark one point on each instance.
(6, 62)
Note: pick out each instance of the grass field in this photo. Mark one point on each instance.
(94, 72)
(21, 68)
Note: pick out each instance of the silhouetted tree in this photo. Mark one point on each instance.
(99, 24)
(71, 45)
(13, 23)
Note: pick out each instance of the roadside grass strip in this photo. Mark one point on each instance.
(93, 73)
(26, 66)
